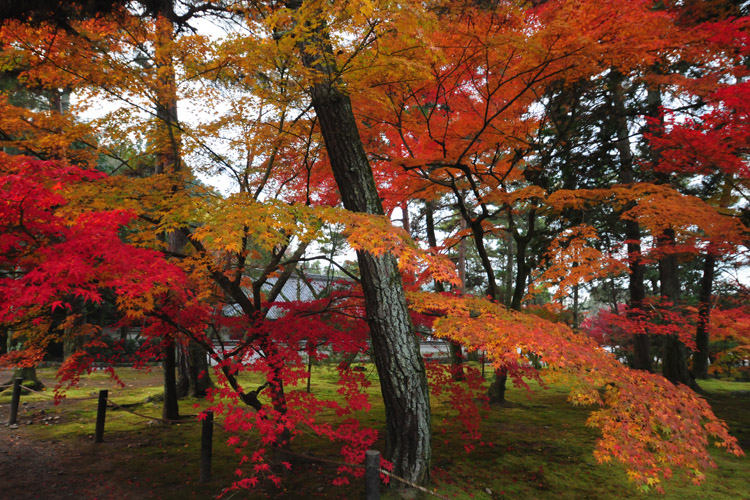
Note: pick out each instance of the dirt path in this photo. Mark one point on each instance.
(49, 469)
(51, 455)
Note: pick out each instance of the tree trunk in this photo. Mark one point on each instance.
(193, 377)
(170, 410)
(522, 271)
(456, 352)
(508, 278)
(167, 144)
(675, 354)
(641, 342)
(700, 356)
(496, 391)
(29, 376)
(395, 348)
(674, 364)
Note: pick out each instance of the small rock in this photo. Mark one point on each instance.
(29, 422)
(14, 426)
(488, 491)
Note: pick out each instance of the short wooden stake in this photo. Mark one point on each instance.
(15, 400)
(101, 413)
(207, 439)
(372, 475)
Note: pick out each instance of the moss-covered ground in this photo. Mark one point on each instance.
(541, 448)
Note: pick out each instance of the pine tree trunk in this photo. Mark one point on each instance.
(636, 290)
(508, 278)
(674, 354)
(496, 391)
(167, 144)
(522, 274)
(395, 348)
(183, 373)
(403, 380)
(641, 342)
(700, 356)
(28, 374)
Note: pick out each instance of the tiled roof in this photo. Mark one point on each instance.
(296, 288)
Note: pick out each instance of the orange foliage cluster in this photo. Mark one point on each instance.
(647, 423)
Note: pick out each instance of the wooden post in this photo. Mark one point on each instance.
(207, 438)
(372, 475)
(15, 400)
(101, 413)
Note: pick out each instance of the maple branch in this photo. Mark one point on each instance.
(272, 157)
(231, 288)
(331, 261)
(249, 398)
(286, 274)
(276, 255)
(197, 9)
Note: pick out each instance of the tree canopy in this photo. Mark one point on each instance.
(570, 144)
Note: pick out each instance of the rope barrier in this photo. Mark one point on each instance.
(355, 466)
(118, 407)
(409, 483)
(147, 417)
(360, 466)
(42, 393)
(283, 450)
(24, 388)
(318, 459)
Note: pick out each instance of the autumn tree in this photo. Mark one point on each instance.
(380, 100)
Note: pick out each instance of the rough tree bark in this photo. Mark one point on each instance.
(28, 374)
(395, 348)
(675, 354)
(700, 356)
(167, 161)
(403, 381)
(193, 377)
(636, 290)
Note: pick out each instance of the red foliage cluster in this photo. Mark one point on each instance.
(656, 316)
